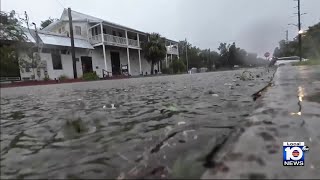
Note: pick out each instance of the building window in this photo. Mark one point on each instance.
(28, 68)
(56, 61)
(120, 34)
(64, 51)
(46, 50)
(94, 31)
(78, 30)
(104, 31)
(114, 33)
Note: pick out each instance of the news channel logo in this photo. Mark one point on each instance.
(293, 153)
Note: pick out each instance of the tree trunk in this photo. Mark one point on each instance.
(152, 67)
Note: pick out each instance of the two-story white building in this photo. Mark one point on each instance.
(100, 46)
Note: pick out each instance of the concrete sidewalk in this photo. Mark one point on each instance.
(288, 111)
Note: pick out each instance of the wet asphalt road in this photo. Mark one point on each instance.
(161, 127)
(287, 112)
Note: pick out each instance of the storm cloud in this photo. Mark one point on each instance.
(255, 25)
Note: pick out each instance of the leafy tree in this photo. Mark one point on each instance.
(276, 52)
(11, 30)
(155, 49)
(232, 55)
(9, 61)
(196, 57)
(10, 27)
(310, 44)
(228, 55)
(47, 22)
(224, 55)
(177, 66)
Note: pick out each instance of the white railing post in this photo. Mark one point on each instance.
(128, 55)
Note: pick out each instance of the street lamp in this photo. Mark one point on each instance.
(301, 31)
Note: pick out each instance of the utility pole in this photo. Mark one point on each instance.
(209, 62)
(287, 36)
(72, 46)
(187, 55)
(38, 58)
(299, 32)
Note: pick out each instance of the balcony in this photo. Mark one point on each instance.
(114, 41)
(172, 50)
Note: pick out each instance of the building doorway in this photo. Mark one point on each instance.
(115, 63)
(86, 63)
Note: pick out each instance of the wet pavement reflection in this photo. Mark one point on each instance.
(161, 127)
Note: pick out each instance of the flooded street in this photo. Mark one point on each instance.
(163, 126)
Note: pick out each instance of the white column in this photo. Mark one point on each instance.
(139, 52)
(87, 30)
(170, 52)
(178, 50)
(166, 61)
(104, 49)
(102, 36)
(104, 57)
(128, 55)
(159, 70)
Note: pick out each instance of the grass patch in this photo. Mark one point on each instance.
(92, 76)
(46, 78)
(307, 63)
(63, 77)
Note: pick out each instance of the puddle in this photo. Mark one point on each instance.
(17, 115)
(88, 122)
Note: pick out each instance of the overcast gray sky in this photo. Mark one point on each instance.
(255, 25)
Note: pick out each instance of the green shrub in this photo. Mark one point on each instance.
(63, 77)
(166, 70)
(46, 78)
(90, 76)
(178, 66)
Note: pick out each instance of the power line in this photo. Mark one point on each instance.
(61, 4)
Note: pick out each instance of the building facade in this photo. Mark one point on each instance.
(100, 46)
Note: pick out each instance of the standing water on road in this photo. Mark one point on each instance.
(140, 127)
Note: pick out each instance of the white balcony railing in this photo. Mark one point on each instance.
(172, 50)
(133, 43)
(113, 40)
(95, 39)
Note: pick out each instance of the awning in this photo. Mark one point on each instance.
(49, 39)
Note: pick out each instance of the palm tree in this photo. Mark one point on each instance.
(155, 49)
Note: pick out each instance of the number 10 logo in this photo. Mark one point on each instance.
(294, 153)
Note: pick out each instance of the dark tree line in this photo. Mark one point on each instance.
(227, 56)
(310, 44)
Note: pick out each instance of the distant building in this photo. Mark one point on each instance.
(100, 46)
(203, 69)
